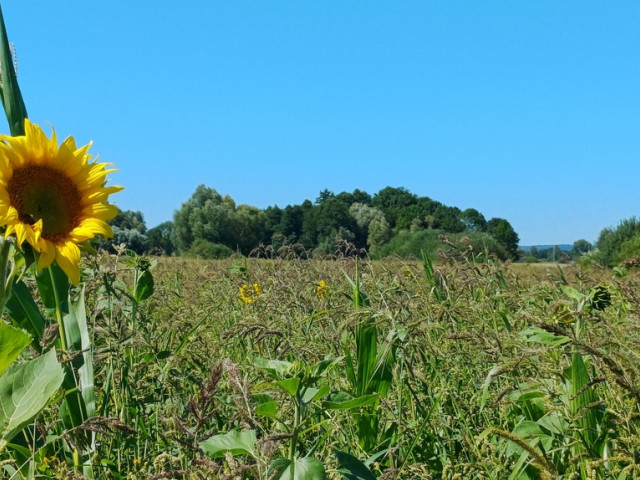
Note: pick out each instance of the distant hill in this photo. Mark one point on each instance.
(563, 247)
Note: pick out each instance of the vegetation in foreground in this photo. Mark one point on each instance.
(283, 368)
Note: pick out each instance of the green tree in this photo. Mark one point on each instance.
(392, 201)
(128, 228)
(372, 223)
(611, 240)
(160, 238)
(448, 219)
(207, 216)
(473, 220)
(249, 228)
(503, 232)
(580, 247)
(129, 220)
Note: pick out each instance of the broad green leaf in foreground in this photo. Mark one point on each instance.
(307, 468)
(238, 443)
(12, 342)
(353, 469)
(25, 389)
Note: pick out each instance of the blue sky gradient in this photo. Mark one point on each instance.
(523, 110)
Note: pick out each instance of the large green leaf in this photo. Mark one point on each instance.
(25, 389)
(238, 443)
(144, 286)
(79, 340)
(353, 469)
(306, 468)
(538, 335)
(53, 286)
(24, 312)
(290, 385)
(276, 368)
(12, 342)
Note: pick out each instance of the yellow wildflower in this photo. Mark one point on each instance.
(322, 290)
(249, 295)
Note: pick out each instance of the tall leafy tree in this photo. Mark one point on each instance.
(160, 238)
(392, 201)
(205, 216)
(473, 220)
(503, 232)
(611, 240)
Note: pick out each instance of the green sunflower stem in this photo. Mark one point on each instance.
(58, 312)
(5, 284)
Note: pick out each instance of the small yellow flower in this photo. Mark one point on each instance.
(136, 463)
(53, 197)
(249, 295)
(322, 290)
(407, 272)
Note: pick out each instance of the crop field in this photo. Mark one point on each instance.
(347, 368)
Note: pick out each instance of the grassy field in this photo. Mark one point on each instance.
(345, 368)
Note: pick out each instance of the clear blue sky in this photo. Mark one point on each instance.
(526, 110)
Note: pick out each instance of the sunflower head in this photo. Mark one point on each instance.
(53, 196)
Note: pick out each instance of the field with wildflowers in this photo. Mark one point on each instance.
(346, 368)
(118, 366)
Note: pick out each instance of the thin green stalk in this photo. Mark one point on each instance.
(5, 284)
(63, 337)
(294, 435)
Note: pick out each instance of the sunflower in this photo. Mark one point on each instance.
(53, 197)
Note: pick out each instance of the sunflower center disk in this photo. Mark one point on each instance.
(43, 193)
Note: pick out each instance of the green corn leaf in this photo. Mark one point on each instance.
(237, 442)
(10, 94)
(25, 389)
(347, 402)
(582, 399)
(12, 342)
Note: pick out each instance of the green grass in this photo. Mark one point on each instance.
(461, 371)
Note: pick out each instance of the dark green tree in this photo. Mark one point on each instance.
(160, 239)
(392, 201)
(503, 232)
(128, 228)
(611, 240)
(580, 247)
(473, 220)
(207, 216)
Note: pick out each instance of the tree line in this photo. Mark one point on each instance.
(392, 221)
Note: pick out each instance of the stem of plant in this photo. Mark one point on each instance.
(5, 286)
(63, 337)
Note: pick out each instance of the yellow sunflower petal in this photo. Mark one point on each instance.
(89, 228)
(47, 254)
(21, 233)
(102, 211)
(68, 258)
